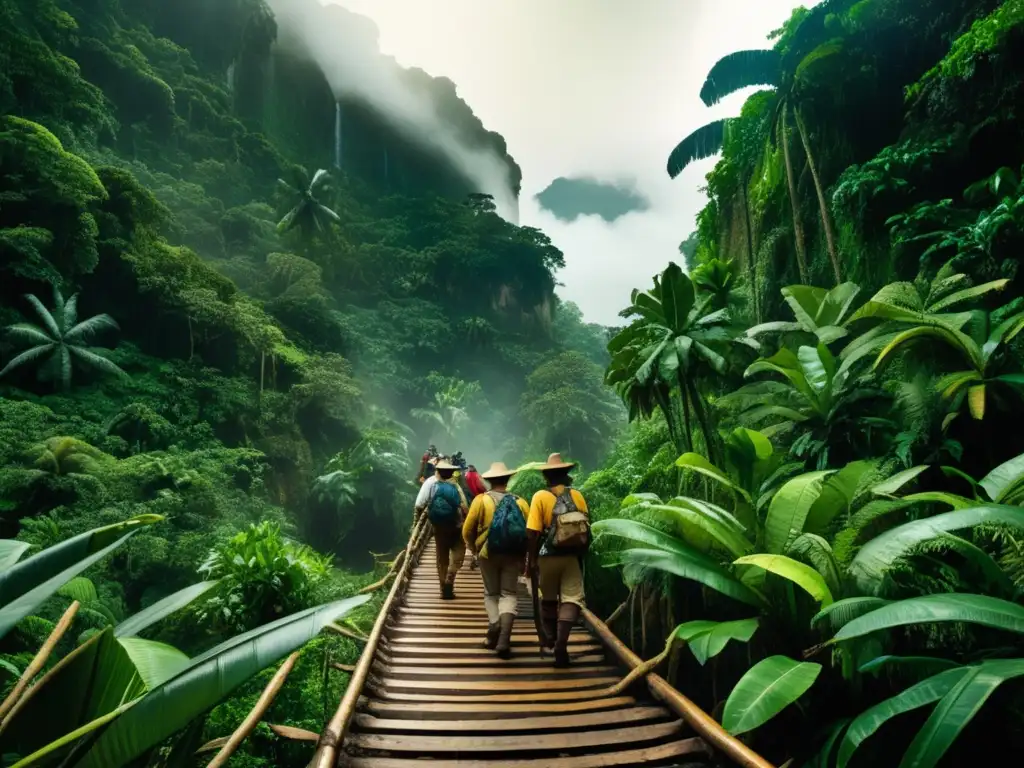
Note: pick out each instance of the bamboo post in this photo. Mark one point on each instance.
(40, 659)
(330, 738)
(253, 718)
(346, 632)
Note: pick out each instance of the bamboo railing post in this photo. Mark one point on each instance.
(326, 754)
(39, 661)
(254, 717)
(702, 723)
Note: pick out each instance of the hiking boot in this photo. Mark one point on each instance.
(568, 613)
(447, 591)
(492, 636)
(562, 644)
(504, 646)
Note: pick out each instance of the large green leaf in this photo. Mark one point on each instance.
(878, 555)
(1003, 478)
(817, 552)
(836, 304)
(897, 481)
(842, 612)
(80, 589)
(806, 302)
(789, 509)
(28, 572)
(207, 680)
(804, 576)
(765, 690)
(962, 343)
(92, 681)
(61, 560)
(920, 666)
(870, 720)
(956, 709)
(739, 70)
(161, 609)
(698, 463)
(704, 142)
(677, 297)
(930, 609)
(837, 494)
(707, 639)
(692, 515)
(155, 662)
(693, 566)
(11, 552)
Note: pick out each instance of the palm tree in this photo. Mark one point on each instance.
(666, 348)
(307, 213)
(60, 339)
(764, 67)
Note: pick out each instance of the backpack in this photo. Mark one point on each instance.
(507, 534)
(443, 508)
(569, 533)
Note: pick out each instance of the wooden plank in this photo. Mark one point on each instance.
(493, 698)
(438, 641)
(483, 710)
(605, 760)
(562, 683)
(412, 651)
(530, 742)
(526, 662)
(547, 672)
(518, 630)
(583, 721)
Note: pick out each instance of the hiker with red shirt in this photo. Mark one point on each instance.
(474, 482)
(426, 470)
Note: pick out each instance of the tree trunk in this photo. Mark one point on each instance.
(687, 426)
(263, 363)
(798, 227)
(826, 217)
(751, 266)
(710, 438)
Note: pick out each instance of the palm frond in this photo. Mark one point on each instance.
(87, 328)
(706, 141)
(29, 333)
(28, 356)
(44, 314)
(70, 313)
(97, 361)
(319, 179)
(65, 366)
(741, 70)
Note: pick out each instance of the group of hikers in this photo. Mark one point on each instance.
(545, 540)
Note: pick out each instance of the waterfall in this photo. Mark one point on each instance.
(230, 77)
(337, 135)
(385, 163)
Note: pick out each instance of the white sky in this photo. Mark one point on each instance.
(588, 87)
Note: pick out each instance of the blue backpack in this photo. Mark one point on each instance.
(507, 534)
(444, 504)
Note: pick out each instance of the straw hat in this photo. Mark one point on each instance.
(498, 469)
(444, 464)
(555, 462)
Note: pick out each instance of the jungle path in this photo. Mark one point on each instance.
(427, 694)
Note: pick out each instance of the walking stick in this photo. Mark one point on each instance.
(538, 620)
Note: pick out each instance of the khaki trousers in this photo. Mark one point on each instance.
(501, 584)
(560, 578)
(451, 551)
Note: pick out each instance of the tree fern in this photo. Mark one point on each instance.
(60, 340)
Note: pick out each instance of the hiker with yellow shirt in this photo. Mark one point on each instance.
(495, 529)
(558, 527)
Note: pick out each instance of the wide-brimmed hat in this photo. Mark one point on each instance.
(444, 464)
(555, 462)
(498, 469)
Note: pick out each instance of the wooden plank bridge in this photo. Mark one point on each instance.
(426, 694)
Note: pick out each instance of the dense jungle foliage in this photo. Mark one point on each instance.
(238, 307)
(823, 480)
